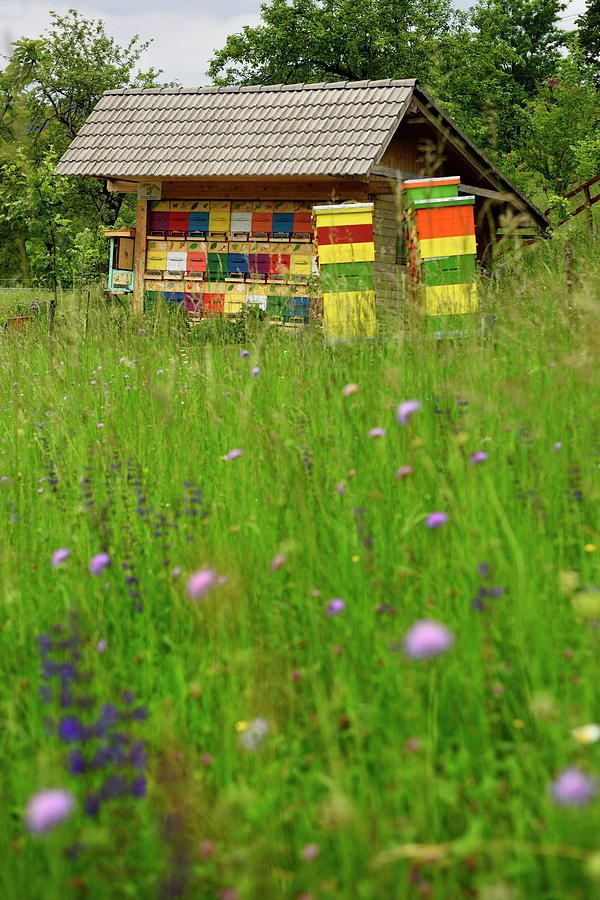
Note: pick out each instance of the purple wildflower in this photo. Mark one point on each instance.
(200, 582)
(558, 447)
(406, 410)
(436, 519)
(427, 638)
(573, 787)
(48, 808)
(403, 472)
(244, 354)
(255, 371)
(99, 562)
(233, 454)
(341, 488)
(376, 432)
(277, 562)
(59, 556)
(478, 457)
(310, 852)
(160, 371)
(101, 645)
(336, 606)
(70, 729)
(350, 389)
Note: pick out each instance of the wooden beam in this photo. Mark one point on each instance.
(319, 190)
(139, 256)
(400, 175)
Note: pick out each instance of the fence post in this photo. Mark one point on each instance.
(569, 270)
(588, 204)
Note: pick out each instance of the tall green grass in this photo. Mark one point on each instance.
(413, 778)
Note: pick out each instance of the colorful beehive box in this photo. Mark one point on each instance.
(346, 254)
(241, 218)
(262, 218)
(158, 220)
(441, 239)
(303, 221)
(256, 295)
(199, 217)
(283, 219)
(219, 216)
(234, 300)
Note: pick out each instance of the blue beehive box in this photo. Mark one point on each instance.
(283, 223)
(198, 223)
(237, 264)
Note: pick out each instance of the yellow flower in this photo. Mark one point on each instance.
(589, 548)
(241, 726)
(586, 734)
(355, 558)
(519, 723)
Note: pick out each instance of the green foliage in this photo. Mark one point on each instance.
(328, 40)
(588, 33)
(560, 128)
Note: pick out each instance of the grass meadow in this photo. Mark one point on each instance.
(223, 729)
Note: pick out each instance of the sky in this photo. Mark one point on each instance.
(184, 33)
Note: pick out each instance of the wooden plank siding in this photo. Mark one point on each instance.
(391, 277)
(310, 190)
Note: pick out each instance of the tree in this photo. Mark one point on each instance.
(32, 195)
(48, 87)
(588, 34)
(325, 40)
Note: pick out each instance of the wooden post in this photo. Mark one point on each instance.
(139, 258)
(569, 271)
(588, 204)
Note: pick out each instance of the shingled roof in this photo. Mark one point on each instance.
(259, 131)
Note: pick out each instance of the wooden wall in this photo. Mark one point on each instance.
(391, 274)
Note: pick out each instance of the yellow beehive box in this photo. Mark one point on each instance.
(219, 216)
(159, 246)
(300, 265)
(156, 260)
(450, 299)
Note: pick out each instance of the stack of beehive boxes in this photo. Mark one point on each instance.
(440, 230)
(214, 256)
(346, 255)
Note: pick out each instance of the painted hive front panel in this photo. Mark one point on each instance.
(346, 252)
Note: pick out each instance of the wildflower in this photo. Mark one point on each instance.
(277, 562)
(99, 562)
(341, 488)
(296, 675)
(427, 638)
(59, 556)
(207, 848)
(376, 432)
(436, 519)
(255, 371)
(403, 472)
(349, 389)
(176, 572)
(101, 645)
(310, 852)
(160, 371)
(206, 759)
(406, 410)
(200, 582)
(233, 454)
(100, 424)
(48, 808)
(587, 734)
(336, 606)
(572, 787)
(478, 457)
(253, 735)
(558, 447)
(244, 354)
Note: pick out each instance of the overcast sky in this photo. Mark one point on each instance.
(185, 32)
